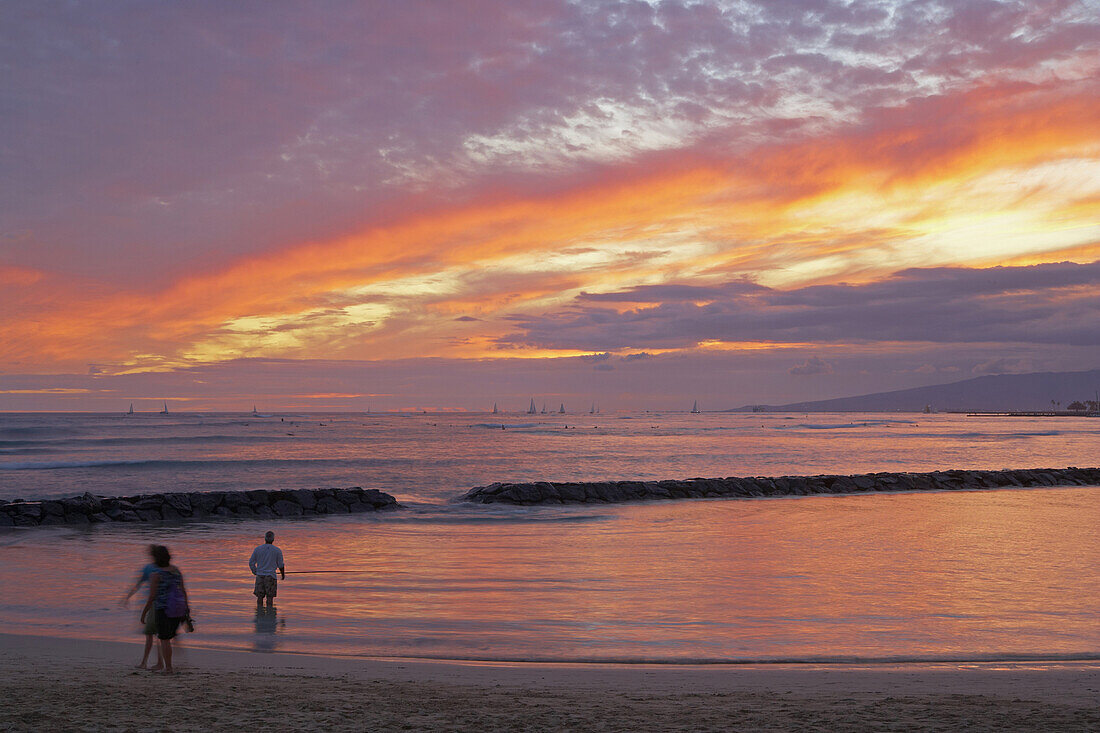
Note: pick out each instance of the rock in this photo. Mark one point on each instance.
(6, 520)
(207, 502)
(305, 498)
(379, 499)
(346, 496)
(329, 505)
(179, 502)
(31, 510)
(264, 512)
(284, 508)
(602, 491)
(232, 500)
(256, 497)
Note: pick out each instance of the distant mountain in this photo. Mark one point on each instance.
(998, 392)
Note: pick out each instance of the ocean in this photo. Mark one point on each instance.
(945, 576)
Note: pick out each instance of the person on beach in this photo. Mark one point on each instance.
(150, 628)
(265, 560)
(167, 603)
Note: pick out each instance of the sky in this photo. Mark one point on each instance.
(435, 205)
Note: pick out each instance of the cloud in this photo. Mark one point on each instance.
(1052, 303)
(195, 183)
(1003, 365)
(813, 365)
(209, 128)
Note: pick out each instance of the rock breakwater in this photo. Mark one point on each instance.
(91, 509)
(544, 492)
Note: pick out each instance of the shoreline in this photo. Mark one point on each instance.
(62, 682)
(1082, 660)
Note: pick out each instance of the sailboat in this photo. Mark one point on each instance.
(254, 413)
(131, 412)
(165, 410)
(531, 410)
(543, 409)
(592, 409)
(695, 408)
(495, 410)
(561, 410)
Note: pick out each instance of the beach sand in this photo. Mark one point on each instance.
(64, 684)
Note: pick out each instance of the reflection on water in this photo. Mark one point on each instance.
(955, 575)
(268, 624)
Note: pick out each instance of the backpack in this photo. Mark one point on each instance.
(175, 603)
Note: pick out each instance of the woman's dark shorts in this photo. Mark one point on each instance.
(166, 625)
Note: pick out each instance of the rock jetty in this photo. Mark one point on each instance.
(602, 492)
(91, 509)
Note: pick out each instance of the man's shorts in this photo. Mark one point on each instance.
(265, 586)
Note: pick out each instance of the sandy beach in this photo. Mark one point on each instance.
(64, 684)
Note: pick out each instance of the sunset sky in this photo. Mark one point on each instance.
(437, 205)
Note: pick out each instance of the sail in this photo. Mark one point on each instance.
(531, 410)
(165, 410)
(695, 407)
(561, 410)
(131, 412)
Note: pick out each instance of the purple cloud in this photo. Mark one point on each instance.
(144, 138)
(1050, 304)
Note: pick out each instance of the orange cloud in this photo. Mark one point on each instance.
(929, 184)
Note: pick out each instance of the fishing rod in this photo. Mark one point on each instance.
(314, 572)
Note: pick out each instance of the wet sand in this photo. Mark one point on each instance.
(52, 684)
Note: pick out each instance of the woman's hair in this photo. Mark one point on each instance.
(161, 557)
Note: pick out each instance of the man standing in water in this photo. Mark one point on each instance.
(265, 560)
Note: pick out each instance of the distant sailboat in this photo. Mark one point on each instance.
(131, 412)
(695, 408)
(543, 409)
(531, 410)
(165, 410)
(254, 413)
(592, 409)
(561, 410)
(495, 410)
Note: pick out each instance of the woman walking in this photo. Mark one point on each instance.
(167, 602)
(150, 629)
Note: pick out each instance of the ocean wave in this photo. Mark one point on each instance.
(844, 426)
(509, 426)
(212, 464)
(144, 440)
